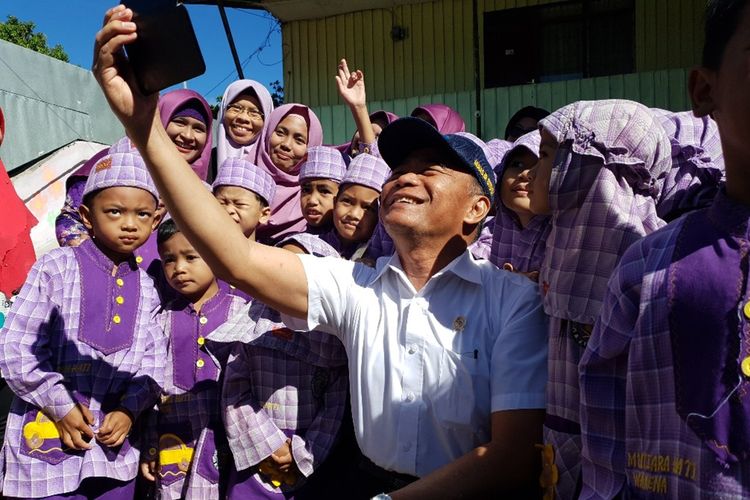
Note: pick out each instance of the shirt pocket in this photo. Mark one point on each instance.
(455, 396)
(40, 439)
(208, 464)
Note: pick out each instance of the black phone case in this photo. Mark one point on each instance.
(166, 51)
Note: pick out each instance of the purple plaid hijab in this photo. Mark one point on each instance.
(444, 118)
(611, 162)
(523, 247)
(225, 146)
(697, 163)
(176, 100)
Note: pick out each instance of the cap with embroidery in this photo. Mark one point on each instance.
(406, 135)
(120, 170)
(323, 162)
(367, 170)
(247, 175)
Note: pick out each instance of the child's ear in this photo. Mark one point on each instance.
(701, 84)
(265, 215)
(85, 213)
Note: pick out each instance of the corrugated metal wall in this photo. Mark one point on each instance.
(663, 89)
(437, 55)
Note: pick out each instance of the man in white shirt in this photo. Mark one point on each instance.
(447, 355)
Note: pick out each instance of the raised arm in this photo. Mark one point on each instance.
(272, 275)
(351, 86)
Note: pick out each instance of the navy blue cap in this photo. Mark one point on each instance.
(406, 135)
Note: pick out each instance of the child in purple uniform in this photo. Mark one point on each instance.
(81, 350)
(187, 441)
(319, 179)
(665, 375)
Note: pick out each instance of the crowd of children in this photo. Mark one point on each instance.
(134, 366)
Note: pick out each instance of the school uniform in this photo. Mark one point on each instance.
(604, 185)
(664, 376)
(80, 331)
(186, 434)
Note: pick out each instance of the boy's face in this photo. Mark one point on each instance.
(355, 213)
(514, 187)
(724, 94)
(243, 206)
(120, 219)
(539, 176)
(316, 201)
(185, 270)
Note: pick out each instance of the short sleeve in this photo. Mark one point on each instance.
(329, 280)
(519, 355)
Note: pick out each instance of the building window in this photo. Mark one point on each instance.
(559, 41)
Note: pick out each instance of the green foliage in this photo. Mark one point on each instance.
(23, 33)
(278, 93)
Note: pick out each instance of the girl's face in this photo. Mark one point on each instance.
(189, 135)
(539, 176)
(376, 128)
(244, 207)
(288, 142)
(355, 213)
(514, 188)
(243, 119)
(317, 200)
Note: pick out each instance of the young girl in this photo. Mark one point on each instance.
(319, 179)
(186, 434)
(697, 163)
(244, 108)
(289, 131)
(519, 236)
(599, 175)
(441, 116)
(355, 211)
(81, 350)
(187, 118)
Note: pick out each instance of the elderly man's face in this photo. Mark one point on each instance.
(426, 197)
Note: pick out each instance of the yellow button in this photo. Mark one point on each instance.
(116, 319)
(746, 366)
(152, 451)
(746, 309)
(201, 341)
(138, 259)
(203, 320)
(200, 363)
(119, 299)
(119, 282)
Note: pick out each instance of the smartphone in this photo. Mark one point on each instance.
(166, 51)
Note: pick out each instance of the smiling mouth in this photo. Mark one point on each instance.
(241, 130)
(184, 147)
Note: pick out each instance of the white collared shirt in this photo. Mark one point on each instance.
(428, 368)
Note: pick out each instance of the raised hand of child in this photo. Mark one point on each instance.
(75, 428)
(148, 470)
(351, 85)
(115, 428)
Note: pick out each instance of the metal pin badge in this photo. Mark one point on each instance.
(459, 323)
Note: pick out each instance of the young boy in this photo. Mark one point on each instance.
(664, 378)
(319, 179)
(81, 350)
(186, 434)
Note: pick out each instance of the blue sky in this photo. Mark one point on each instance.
(74, 23)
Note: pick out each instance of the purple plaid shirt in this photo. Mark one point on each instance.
(605, 180)
(50, 365)
(68, 225)
(634, 440)
(189, 410)
(312, 244)
(281, 385)
(697, 163)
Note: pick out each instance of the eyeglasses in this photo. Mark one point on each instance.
(236, 109)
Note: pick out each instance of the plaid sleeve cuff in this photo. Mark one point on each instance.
(302, 457)
(61, 403)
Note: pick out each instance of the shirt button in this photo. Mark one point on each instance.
(116, 319)
(201, 341)
(746, 309)
(203, 320)
(119, 282)
(152, 451)
(138, 259)
(746, 366)
(200, 363)
(410, 397)
(120, 299)
(412, 349)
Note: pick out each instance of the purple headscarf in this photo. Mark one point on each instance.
(225, 146)
(286, 214)
(611, 162)
(444, 118)
(522, 247)
(697, 163)
(498, 149)
(178, 100)
(379, 116)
